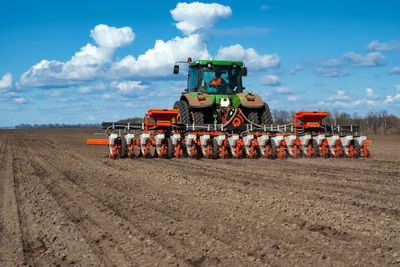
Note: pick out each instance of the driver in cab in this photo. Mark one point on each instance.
(217, 80)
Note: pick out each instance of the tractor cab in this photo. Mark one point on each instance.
(217, 77)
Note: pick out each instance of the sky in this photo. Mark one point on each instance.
(93, 61)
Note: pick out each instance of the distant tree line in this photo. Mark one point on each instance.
(376, 123)
(56, 125)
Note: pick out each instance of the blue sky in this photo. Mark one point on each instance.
(93, 61)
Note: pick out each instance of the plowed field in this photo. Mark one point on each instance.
(63, 203)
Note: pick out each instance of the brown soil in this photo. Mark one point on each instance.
(63, 202)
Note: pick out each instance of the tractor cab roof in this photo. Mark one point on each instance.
(215, 63)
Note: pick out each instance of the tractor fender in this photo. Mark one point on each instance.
(195, 103)
(257, 103)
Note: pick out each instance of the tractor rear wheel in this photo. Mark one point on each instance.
(184, 112)
(253, 117)
(266, 118)
(198, 116)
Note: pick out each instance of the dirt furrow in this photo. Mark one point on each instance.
(49, 237)
(12, 248)
(112, 235)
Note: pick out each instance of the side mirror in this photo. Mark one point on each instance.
(176, 69)
(244, 71)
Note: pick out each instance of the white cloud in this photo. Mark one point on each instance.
(332, 62)
(378, 46)
(369, 92)
(53, 93)
(87, 64)
(20, 100)
(158, 61)
(106, 96)
(92, 88)
(369, 60)
(283, 90)
(127, 87)
(97, 61)
(296, 68)
(330, 67)
(394, 70)
(293, 98)
(398, 86)
(251, 58)
(198, 17)
(112, 37)
(339, 95)
(331, 72)
(269, 79)
(391, 99)
(6, 81)
(92, 118)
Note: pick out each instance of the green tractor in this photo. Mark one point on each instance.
(213, 87)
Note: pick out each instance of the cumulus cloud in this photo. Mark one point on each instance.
(112, 37)
(339, 95)
(127, 87)
(20, 100)
(369, 60)
(6, 81)
(331, 67)
(394, 70)
(97, 60)
(369, 92)
(331, 72)
(158, 61)
(250, 56)
(53, 93)
(90, 88)
(293, 98)
(269, 79)
(296, 68)
(198, 17)
(392, 99)
(87, 64)
(380, 46)
(283, 90)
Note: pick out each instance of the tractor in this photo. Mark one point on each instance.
(214, 87)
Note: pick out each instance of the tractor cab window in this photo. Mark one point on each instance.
(193, 77)
(220, 80)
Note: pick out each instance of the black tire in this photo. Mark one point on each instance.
(123, 153)
(184, 112)
(266, 118)
(170, 154)
(215, 152)
(198, 116)
(253, 117)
